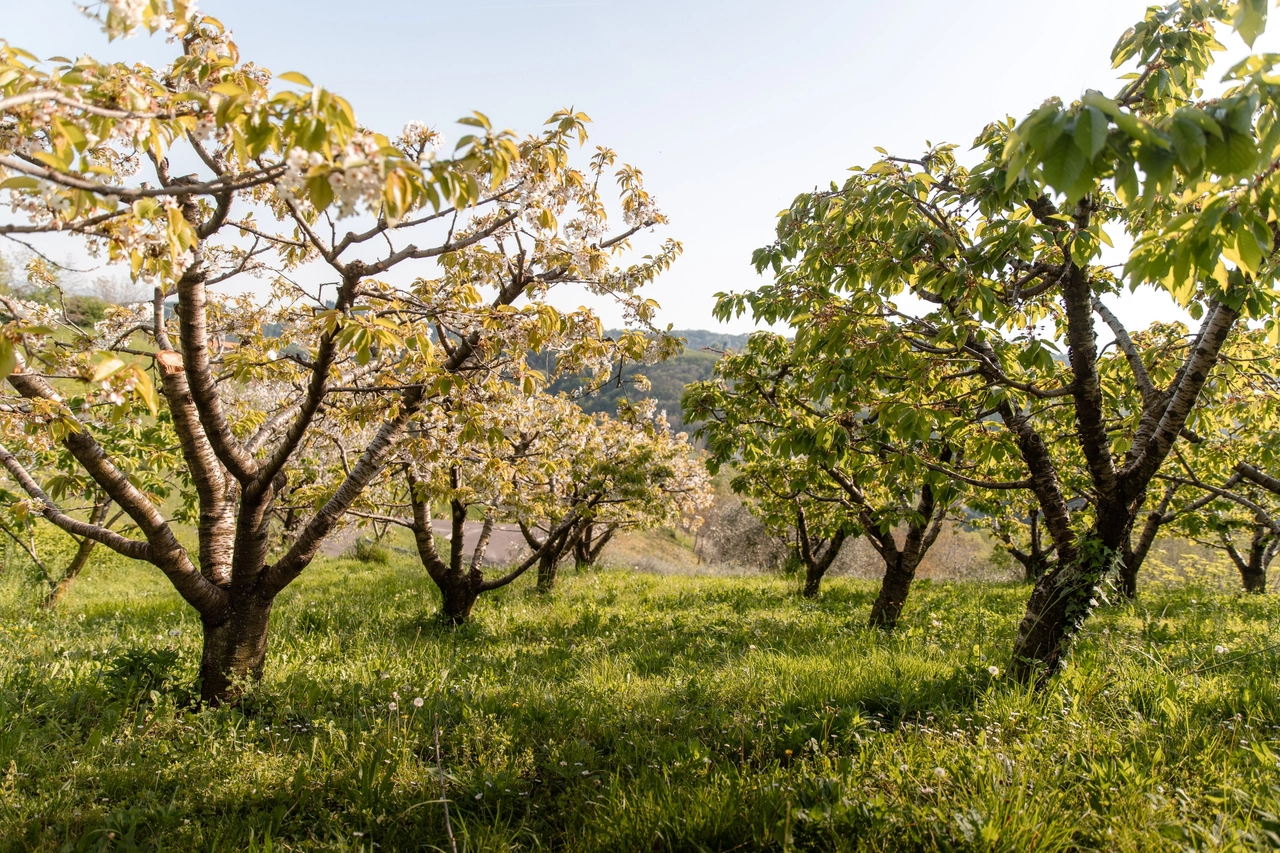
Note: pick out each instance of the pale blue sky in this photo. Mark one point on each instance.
(730, 109)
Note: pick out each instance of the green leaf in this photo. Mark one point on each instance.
(106, 368)
(1237, 155)
(1067, 170)
(228, 89)
(1250, 19)
(1091, 131)
(1188, 141)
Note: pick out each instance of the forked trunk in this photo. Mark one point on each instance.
(1253, 566)
(1134, 554)
(234, 650)
(1035, 567)
(1262, 549)
(816, 555)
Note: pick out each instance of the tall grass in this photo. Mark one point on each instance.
(636, 712)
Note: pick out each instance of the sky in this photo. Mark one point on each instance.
(730, 109)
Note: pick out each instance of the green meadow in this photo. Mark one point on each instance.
(632, 711)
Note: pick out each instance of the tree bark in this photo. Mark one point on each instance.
(1065, 596)
(1254, 582)
(898, 575)
(234, 650)
(1253, 569)
(458, 597)
(1132, 556)
(901, 563)
(548, 566)
(815, 554)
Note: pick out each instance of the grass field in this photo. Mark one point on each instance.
(636, 712)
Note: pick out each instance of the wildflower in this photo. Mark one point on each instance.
(1219, 650)
(939, 772)
(392, 706)
(417, 701)
(994, 670)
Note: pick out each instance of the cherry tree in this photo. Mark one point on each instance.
(825, 462)
(209, 178)
(631, 473)
(980, 272)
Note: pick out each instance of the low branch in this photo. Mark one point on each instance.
(132, 548)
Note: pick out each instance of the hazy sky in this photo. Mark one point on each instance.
(730, 108)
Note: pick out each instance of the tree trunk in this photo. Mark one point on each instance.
(60, 589)
(234, 650)
(582, 547)
(1254, 573)
(899, 572)
(1034, 567)
(812, 581)
(1133, 556)
(457, 597)
(1061, 600)
(1128, 577)
(1253, 569)
(547, 566)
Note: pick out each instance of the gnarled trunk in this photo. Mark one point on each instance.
(234, 650)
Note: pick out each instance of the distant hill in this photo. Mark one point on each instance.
(667, 379)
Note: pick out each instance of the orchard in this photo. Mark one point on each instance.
(340, 511)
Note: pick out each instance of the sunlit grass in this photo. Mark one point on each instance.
(637, 712)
